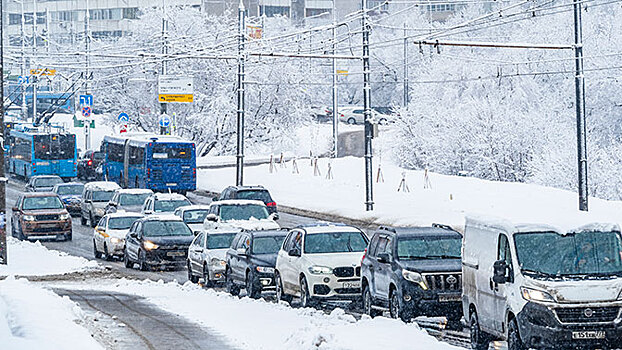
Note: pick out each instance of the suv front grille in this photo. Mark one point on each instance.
(47, 217)
(587, 314)
(343, 271)
(444, 281)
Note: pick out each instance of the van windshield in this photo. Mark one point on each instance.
(550, 254)
(416, 248)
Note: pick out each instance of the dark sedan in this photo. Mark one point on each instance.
(71, 194)
(251, 261)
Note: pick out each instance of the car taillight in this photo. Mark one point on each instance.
(89, 163)
(271, 204)
(364, 254)
(194, 172)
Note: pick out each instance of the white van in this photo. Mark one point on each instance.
(538, 286)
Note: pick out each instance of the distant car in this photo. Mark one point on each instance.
(206, 256)
(95, 198)
(88, 164)
(71, 194)
(321, 114)
(40, 215)
(128, 199)
(320, 262)
(193, 215)
(164, 203)
(258, 193)
(157, 241)
(239, 213)
(109, 234)
(356, 115)
(414, 271)
(251, 260)
(43, 183)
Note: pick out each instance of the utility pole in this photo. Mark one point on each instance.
(23, 71)
(35, 77)
(87, 63)
(163, 106)
(47, 31)
(369, 192)
(3, 247)
(579, 82)
(239, 176)
(335, 91)
(406, 94)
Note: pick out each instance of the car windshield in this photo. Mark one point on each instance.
(36, 203)
(195, 216)
(70, 190)
(267, 245)
(335, 242)
(169, 205)
(102, 196)
(415, 248)
(581, 253)
(48, 181)
(133, 199)
(220, 241)
(122, 223)
(243, 212)
(259, 195)
(165, 228)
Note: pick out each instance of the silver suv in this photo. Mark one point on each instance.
(95, 197)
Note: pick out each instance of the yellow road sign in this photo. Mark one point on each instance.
(176, 98)
(43, 71)
(342, 72)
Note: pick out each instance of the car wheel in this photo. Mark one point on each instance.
(192, 278)
(96, 252)
(351, 121)
(206, 281)
(514, 340)
(231, 287)
(251, 290)
(368, 303)
(382, 121)
(107, 255)
(142, 263)
(306, 300)
(280, 292)
(13, 228)
(395, 308)
(82, 219)
(479, 341)
(453, 321)
(91, 220)
(126, 260)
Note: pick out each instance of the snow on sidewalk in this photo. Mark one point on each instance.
(35, 318)
(261, 325)
(447, 199)
(33, 259)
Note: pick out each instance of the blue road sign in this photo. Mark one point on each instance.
(23, 79)
(123, 117)
(165, 121)
(86, 100)
(86, 111)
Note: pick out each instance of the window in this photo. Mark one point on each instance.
(130, 13)
(115, 152)
(267, 245)
(219, 241)
(55, 147)
(137, 155)
(15, 18)
(382, 244)
(22, 149)
(164, 152)
(271, 11)
(287, 243)
(199, 240)
(373, 245)
(503, 253)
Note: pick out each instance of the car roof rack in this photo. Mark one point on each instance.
(443, 226)
(322, 223)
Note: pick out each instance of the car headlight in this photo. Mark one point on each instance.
(536, 295)
(265, 269)
(28, 217)
(150, 245)
(320, 270)
(65, 216)
(218, 262)
(415, 277)
(620, 295)
(119, 240)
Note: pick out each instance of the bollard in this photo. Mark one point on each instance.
(380, 176)
(295, 166)
(427, 184)
(329, 172)
(282, 162)
(403, 185)
(272, 167)
(316, 169)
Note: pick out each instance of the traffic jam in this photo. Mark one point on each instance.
(488, 279)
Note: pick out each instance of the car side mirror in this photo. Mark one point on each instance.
(384, 258)
(294, 252)
(14, 208)
(215, 198)
(133, 234)
(211, 217)
(148, 212)
(499, 272)
(274, 216)
(196, 233)
(112, 204)
(241, 251)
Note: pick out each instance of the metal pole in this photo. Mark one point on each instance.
(22, 30)
(406, 94)
(369, 192)
(3, 247)
(580, 108)
(335, 90)
(163, 105)
(239, 178)
(35, 77)
(47, 30)
(87, 49)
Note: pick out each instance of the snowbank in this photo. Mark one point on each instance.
(441, 199)
(258, 324)
(35, 318)
(34, 259)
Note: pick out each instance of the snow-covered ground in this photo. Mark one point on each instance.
(441, 199)
(262, 325)
(35, 318)
(34, 259)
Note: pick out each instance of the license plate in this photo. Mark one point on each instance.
(448, 298)
(356, 284)
(588, 335)
(175, 253)
(47, 225)
(171, 184)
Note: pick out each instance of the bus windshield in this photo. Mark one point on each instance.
(55, 146)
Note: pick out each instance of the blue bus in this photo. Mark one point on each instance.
(145, 160)
(42, 151)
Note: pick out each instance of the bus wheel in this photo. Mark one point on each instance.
(136, 183)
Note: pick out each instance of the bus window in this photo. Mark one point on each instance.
(54, 147)
(136, 155)
(163, 152)
(22, 149)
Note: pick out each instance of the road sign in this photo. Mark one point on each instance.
(123, 129)
(43, 71)
(123, 117)
(174, 88)
(86, 111)
(165, 121)
(79, 123)
(86, 100)
(342, 72)
(23, 79)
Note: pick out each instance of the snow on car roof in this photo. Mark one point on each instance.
(239, 202)
(45, 176)
(103, 185)
(169, 196)
(134, 190)
(560, 227)
(162, 217)
(124, 214)
(329, 228)
(194, 207)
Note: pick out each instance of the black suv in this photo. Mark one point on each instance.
(413, 271)
(258, 193)
(251, 261)
(88, 163)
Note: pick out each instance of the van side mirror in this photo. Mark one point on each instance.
(294, 252)
(133, 235)
(274, 216)
(241, 251)
(384, 258)
(211, 217)
(500, 269)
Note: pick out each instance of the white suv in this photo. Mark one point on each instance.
(164, 203)
(320, 262)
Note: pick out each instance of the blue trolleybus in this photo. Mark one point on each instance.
(145, 160)
(42, 151)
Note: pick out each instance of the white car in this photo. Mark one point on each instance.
(207, 256)
(128, 199)
(109, 234)
(95, 197)
(356, 115)
(164, 203)
(239, 213)
(193, 215)
(320, 262)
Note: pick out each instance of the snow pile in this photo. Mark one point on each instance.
(440, 199)
(34, 259)
(283, 327)
(35, 318)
